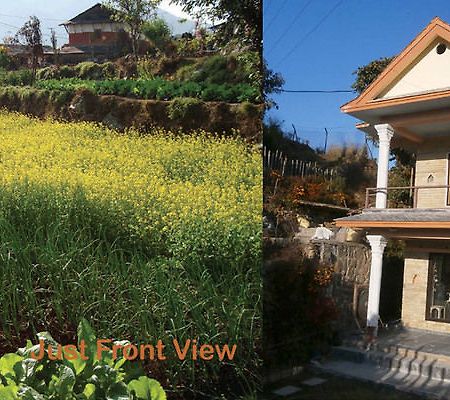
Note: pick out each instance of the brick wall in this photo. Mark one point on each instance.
(431, 170)
(91, 38)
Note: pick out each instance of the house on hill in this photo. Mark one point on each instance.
(408, 106)
(95, 33)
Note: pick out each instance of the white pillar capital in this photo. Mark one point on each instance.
(385, 132)
(377, 243)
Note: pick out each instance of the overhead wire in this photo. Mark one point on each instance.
(22, 16)
(18, 27)
(317, 91)
(277, 13)
(310, 32)
(289, 27)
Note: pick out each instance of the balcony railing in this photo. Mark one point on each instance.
(404, 196)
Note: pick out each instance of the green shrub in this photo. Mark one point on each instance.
(158, 32)
(22, 376)
(187, 73)
(66, 72)
(109, 70)
(219, 69)
(157, 89)
(247, 108)
(5, 59)
(89, 70)
(249, 68)
(183, 107)
(186, 47)
(145, 67)
(22, 77)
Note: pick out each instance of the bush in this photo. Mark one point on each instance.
(219, 69)
(298, 312)
(183, 107)
(85, 71)
(158, 32)
(145, 68)
(5, 59)
(188, 47)
(89, 70)
(22, 77)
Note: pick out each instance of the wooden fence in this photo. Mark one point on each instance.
(276, 160)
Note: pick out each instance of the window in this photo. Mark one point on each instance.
(97, 33)
(438, 299)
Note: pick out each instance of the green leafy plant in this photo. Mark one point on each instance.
(22, 376)
(158, 89)
(182, 107)
(5, 59)
(21, 77)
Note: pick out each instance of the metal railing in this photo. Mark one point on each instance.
(407, 198)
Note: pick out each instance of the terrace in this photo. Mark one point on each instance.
(405, 196)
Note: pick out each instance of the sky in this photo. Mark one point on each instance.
(13, 14)
(317, 44)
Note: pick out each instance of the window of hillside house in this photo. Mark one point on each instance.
(438, 299)
(97, 33)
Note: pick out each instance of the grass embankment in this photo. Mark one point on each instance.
(154, 237)
(157, 89)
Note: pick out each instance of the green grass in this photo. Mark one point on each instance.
(147, 237)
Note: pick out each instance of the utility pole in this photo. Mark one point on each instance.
(326, 140)
(294, 134)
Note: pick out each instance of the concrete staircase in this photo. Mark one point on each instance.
(406, 369)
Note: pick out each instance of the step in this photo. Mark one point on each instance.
(406, 361)
(403, 381)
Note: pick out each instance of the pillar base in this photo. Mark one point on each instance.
(371, 336)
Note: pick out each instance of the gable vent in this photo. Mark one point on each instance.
(440, 49)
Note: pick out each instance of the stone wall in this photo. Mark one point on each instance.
(351, 266)
(350, 283)
(351, 262)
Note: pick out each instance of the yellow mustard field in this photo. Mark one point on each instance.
(156, 181)
(155, 236)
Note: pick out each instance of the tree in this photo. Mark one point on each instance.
(5, 59)
(30, 34)
(133, 13)
(368, 73)
(243, 18)
(365, 75)
(10, 40)
(54, 41)
(158, 32)
(272, 83)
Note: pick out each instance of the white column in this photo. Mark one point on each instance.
(377, 244)
(385, 133)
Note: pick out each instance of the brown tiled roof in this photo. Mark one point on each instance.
(401, 215)
(96, 14)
